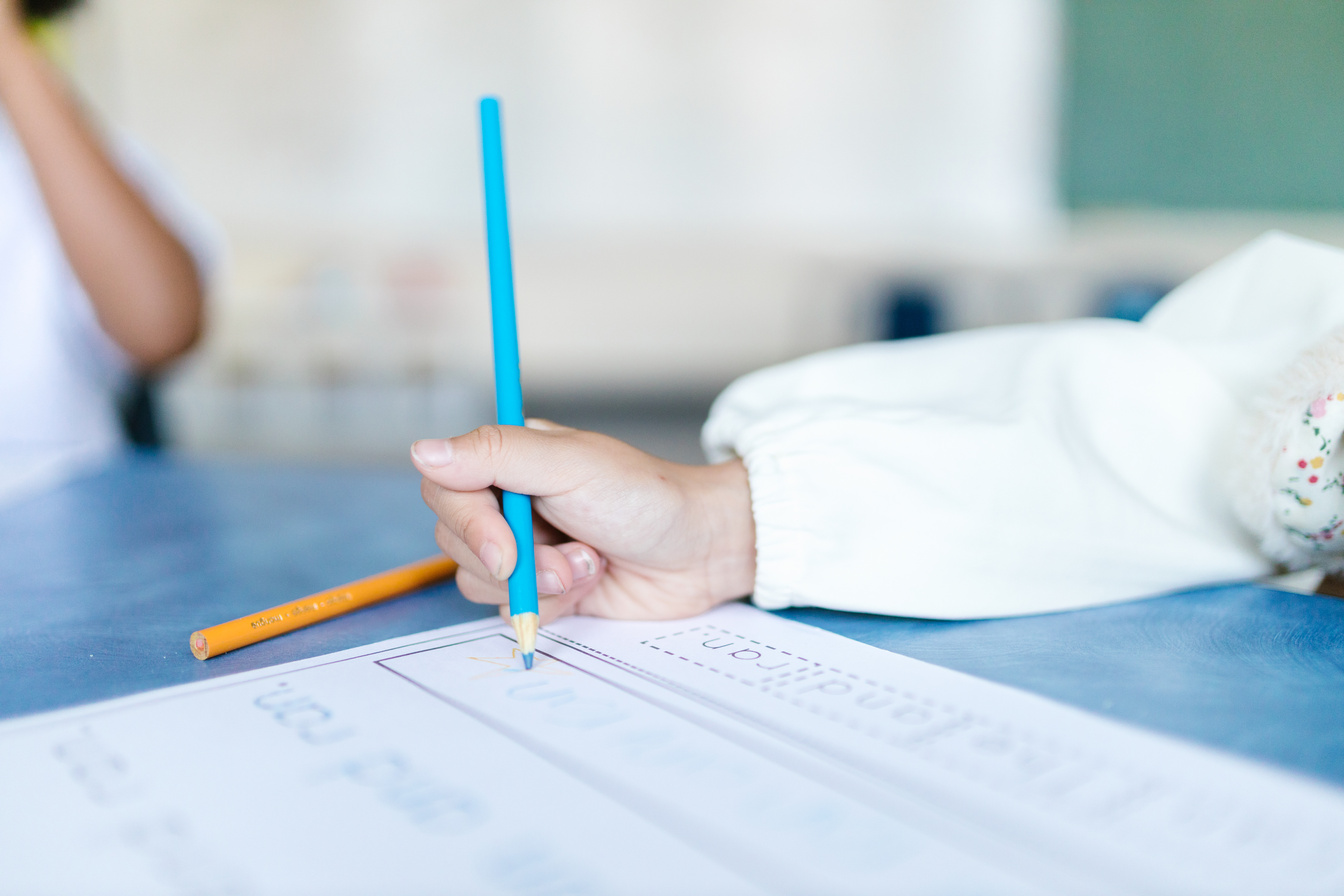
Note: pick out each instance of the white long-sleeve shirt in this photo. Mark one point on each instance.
(1033, 468)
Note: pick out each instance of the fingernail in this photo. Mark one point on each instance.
(493, 558)
(433, 452)
(549, 582)
(582, 563)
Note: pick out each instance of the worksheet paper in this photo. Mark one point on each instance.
(734, 753)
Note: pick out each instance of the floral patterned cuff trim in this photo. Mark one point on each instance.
(1309, 478)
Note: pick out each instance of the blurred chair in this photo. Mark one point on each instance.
(139, 411)
(910, 310)
(1131, 301)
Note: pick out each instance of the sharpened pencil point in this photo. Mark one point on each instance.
(525, 628)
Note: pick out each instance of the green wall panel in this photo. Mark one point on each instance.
(1204, 104)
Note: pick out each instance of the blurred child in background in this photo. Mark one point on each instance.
(97, 282)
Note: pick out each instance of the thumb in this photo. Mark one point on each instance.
(524, 460)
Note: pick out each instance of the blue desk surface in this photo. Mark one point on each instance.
(102, 580)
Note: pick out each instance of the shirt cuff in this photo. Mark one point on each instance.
(784, 547)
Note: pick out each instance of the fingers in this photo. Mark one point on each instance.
(554, 571)
(585, 564)
(554, 575)
(544, 424)
(472, 530)
(586, 569)
(542, 459)
(544, 533)
(588, 573)
(482, 589)
(570, 571)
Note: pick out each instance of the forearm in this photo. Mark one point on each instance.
(142, 283)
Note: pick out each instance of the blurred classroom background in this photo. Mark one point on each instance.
(698, 187)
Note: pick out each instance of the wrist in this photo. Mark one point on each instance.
(725, 501)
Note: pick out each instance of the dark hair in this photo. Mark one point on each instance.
(46, 9)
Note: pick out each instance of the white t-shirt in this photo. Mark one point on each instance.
(59, 372)
(1046, 467)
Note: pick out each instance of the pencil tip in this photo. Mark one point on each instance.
(525, 627)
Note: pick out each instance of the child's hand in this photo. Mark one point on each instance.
(619, 533)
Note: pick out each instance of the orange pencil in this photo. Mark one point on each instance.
(317, 607)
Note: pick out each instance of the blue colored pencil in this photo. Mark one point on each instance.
(508, 384)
